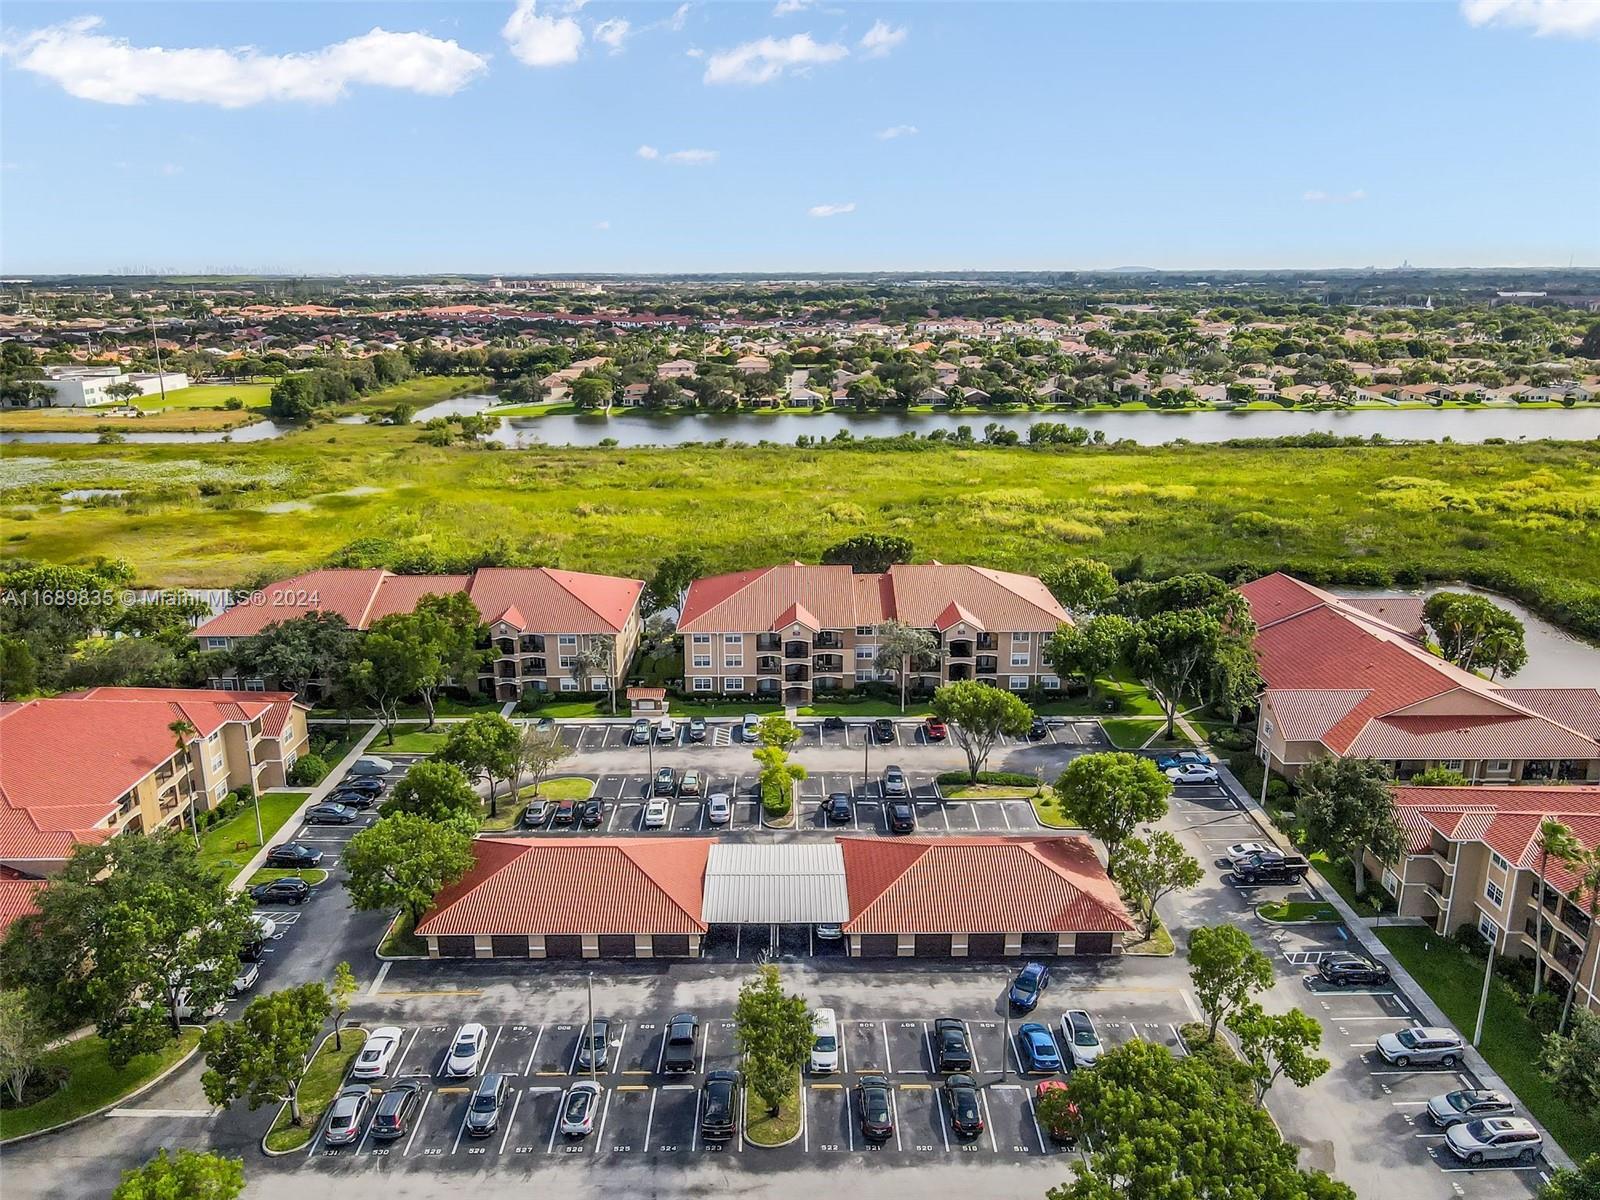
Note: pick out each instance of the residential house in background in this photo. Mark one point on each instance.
(542, 622)
(790, 632)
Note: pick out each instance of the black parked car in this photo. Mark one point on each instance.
(951, 1046)
(1271, 867)
(719, 1106)
(591, 814)
(393, 1117)
(291, 889)
(902, 817)
(875, 1107)
(566, 812)
(838, 807)
(369, 785)
(356, 800)
(883, 729)
(966, 1114)
(697, 729)
(1039, 730)
(330, 814)
(293, 854)
(1348, 970)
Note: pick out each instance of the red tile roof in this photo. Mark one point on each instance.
(1504, 818)
(575, 886)
(979, 885)
(17, 899)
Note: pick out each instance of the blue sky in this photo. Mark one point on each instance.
(814, 136)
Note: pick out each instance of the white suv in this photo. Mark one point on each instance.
(824, 1042)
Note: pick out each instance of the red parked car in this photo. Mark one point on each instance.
(934, 730)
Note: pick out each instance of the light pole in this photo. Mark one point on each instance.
(589, 1031)
(1483, 999)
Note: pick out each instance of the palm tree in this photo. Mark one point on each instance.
(182, 730)
(1588, 868)
(1555, 841)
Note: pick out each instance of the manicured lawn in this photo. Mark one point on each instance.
(569, 710)
(209, 395)
(173, 420)
(1511, 1045)
(229, 845)
(399, 939)
(683, 710)
(1298, 910)
(312, 875)
(1339, 874)
(1131, 733)
(419, 392)
(90, 1082)
(860, 708)
(772, 1131)
(321, 1084)
(339, 743)
(565, 787)
(1049, 811)
(1157, 945)
(415, 741)
(988, 791)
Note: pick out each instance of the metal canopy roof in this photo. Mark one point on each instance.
(764, 883)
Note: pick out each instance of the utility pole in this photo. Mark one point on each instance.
(589, 1032)
(1483, 999)
(161, 374)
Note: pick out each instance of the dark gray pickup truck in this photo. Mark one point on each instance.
(680, 1054)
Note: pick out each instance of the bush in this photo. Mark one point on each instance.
(1545, 1011)
(233, 404)
(776, 801)
(530, 700)
(1002, 778)
(1469, 939)
(308, 769)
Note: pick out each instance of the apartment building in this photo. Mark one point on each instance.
(795, 631)
(1353, 677)
(1472, 858)
(86, 767)
(542, 623)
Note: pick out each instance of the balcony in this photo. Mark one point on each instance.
(797, 650)
(797, 674)
(988, 641)
(1441, 898)
(988, 664)
(960, 672)
(534, 666)
(768, 664)
(828, 640)
(505, 646)
(959, 649)
(832, 663)
(505, 670)
(767, 642)
(532, 643)
(1442, 860)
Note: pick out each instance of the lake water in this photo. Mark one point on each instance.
(1555, 657)
(1147, 428)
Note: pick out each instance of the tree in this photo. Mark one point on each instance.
(902, 646)
(263, 1055)
(183, 734)
(1165, 1128)
(185, 1175)
(978, 715)
(1277, 1044)
(538, 750)
(1587, 868)
(1571, 1061)
(777, 730)
(436, 790)
(778, 776)
(592, 391)
(1174, 651)
(1347, 805)
(341, 992)
(313, 647)
(1081, 584)
(1224, 969)
(403, 861)
(670, 584)
(1439, 777)
(773, 1032)
(1556, 841)
(390, 664)
(1476, 633)
(450, 629)
(1090, 650)
(1149, 868)
(869, 553)
(484, 745)
(19, 672)
(595, 656)
(1234, 679)
(129, 929)
(1112, 794)
(24, 1036)
(1582, 1183)
(1589, 347)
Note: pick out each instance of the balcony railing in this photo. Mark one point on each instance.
(532, 643)
(962, 649)
(505, 646)
(796, 650)
(769, 664)
(828, 662)
(1442, 860)
(534, 666)
(794, 674)
(988, 664)
(1442, 899)
(768, 641)
(828, 641)
(988, 641)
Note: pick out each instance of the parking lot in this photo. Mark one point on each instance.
(832, 732)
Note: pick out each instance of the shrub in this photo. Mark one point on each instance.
(776, 801)
(1001, 778)
(1545, 1012)
(233, 404)
(308, 769)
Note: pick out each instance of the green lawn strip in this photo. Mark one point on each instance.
(1297, 910)
(400, 940)
(1511, 1045)
(207, 395)
(320, 1085)
(89, 1081)
(419, 393)
(989, 791)
(683, 709)
(312, 875)
(865, 708)
(1158, 945)
(1339, 875)
(416, 741)
(565, 788)
(567, 710)
(335, 745)
(229, 845)
(555, 408)
(1047, 808)
(763, 1130)
(1133, 698)
(1130, 733)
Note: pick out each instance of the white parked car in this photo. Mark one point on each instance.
(371, 766)
(466, 1051)
(655, 814)
(578, 1108)
(666, 730)
(249, 972)
(719, 808)
(824, 1042)
(375, 1057)
(1193, 773)
(1499, 1139)
(1080, 1039)
(1422, 1045)
(750, 727)
(1245, 849)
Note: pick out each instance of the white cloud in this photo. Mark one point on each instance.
(612, 33)
(541, 41)
(1318, 197)
(92, 65)
(171, 169)
(679, 16)
(767, 59)
(882, 38)
(602, 226)
(897, 131)
(695, 52)
(1547, 18)
(830, 210)
(678, 158)
(784, 8)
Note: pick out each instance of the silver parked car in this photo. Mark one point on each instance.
(348, 1114)
(1468, 1104)
(1422, 1045)
(1499, 1139)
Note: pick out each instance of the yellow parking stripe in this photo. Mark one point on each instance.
(632, 1087)
(452, 1091)
(916, 1087)
(817, 1087)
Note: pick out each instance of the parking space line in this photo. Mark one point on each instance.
(894, 1112)
(649, 1121)
(510, 1121)
(927, 1041)
(1033, 1115)
(426, 1096)
(495, 1041)
(944, 1119)
(694, 1136)
(405, 1050)
(462, 1128)
(888, 1061)
(617, 1057)
(600, 1134)
(1016, 1055)
(988, 1124)
(555, 1124)
(532, 1054)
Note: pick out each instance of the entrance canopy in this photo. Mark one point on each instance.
(764, 883)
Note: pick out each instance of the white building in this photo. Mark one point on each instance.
(88, 387)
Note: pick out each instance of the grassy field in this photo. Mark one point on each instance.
(762, 1130)
(419, 392)
(209, 395)
(1129, 733)
(1524, 518)
(318, 1088)
(171, 420)
(89, 1081)
(1511, 1045)
(227, 846)
(312, 875)
(416, 741)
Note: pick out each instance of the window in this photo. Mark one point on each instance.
(567, 639)
(703, 660)
(1020, 639)
(597, 683)
(702, 683)
(1266, 729)
(866, 653)
(1049, 683)
(1019, 683)
(567, 660)
(255, 685)
(1487, 927)
(864, 631)
(863, 676)
(1498, 863)
(1020, 660)
(733, 639)
(1391, 882)
(569, 684)
(733, 683)
(216, 643)
(220, 790)
(733, 663)
(1496, 893)
(216, 763)
(702, 639)
(1450, 764)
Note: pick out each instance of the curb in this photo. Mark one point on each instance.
(105, 1108)
(377, 950)
(788, 1141)
(1260, 916)
(278, 1112)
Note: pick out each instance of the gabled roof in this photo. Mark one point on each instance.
(18, 898)
(575, 886)
(1505, 818)
(950, 885)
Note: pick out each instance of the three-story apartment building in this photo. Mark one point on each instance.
(794, 631)
(555, 631)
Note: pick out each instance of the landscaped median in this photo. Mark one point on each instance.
(762, 1129)
(76, 1079)
(1297, 912)
(318, 1088)
(1007, 785)
(312, 875)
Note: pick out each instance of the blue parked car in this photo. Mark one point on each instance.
(1039, 1053)
(1028, 986)
(1183, 758)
